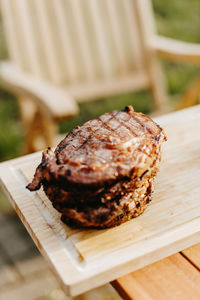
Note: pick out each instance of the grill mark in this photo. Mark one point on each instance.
(159, 127)
(141, 151)
(114, 116)
(92, 133)
(142, 125)
(105, 125)
(109, 128)
(72, 135)
(75, 148)
(61, 148)
(125, 125)
(84, 142)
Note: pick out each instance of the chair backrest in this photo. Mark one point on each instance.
(94, 47)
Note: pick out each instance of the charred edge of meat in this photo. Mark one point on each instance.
(73, 186)
(104, 211)
(145, 172)
(128, 109)
(88, 197)
(110, 222)
(80, 206)
(102, 198)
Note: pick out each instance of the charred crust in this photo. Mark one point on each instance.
(128, 109)
(157, 138)
(159, 127)
(60, 148)
(104, 188)
(145, 172)
(68, 172)
(137, 204)
(43, 164)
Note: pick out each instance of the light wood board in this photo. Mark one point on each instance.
(84, 259)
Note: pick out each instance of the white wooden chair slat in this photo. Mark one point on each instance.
(22, 13)
(133, 33)
(46, 40)
(115, 28)
(103, 50)
(11, 33)
(82, 39)
(111, 86)
(66, 45)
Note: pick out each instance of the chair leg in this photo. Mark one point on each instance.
(49, 130)
(40, 134)
(40, 131)
(158, 88)
(191, 95)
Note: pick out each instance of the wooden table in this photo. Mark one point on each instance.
(84, 259)
(176, 277)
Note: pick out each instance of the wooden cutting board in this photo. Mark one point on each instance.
(84, 259)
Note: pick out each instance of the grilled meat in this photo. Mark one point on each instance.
(101, 174)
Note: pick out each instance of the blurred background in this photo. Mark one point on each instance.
(178, 19)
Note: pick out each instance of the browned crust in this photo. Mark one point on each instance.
(101, 174)
(111, 222)
(105, 214)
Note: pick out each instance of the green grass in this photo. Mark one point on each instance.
(174, 18)
(11, 131)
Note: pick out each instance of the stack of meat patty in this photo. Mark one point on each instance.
(101, 174)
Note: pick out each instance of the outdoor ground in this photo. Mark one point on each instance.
(22, 270)
(24, 275)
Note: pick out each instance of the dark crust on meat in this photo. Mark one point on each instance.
(98, 214)
(57, 194)
(111, 222)
(101, 174)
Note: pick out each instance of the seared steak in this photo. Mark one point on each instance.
(101, 174)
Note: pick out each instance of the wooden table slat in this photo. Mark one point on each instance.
(193, 255)
(171, 278)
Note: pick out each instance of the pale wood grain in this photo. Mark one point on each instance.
(21, 12)
(133, 33)
(115, 30)
(176, 50)
(11, 33)
(103, 51)
(83, 259)
(66, 45)
(46, 39)
(83, 42)
(43, 93)
(100, 88)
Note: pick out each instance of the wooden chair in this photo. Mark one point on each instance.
(65, 52)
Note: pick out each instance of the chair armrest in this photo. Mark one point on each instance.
(53, 101)
(176, 50)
